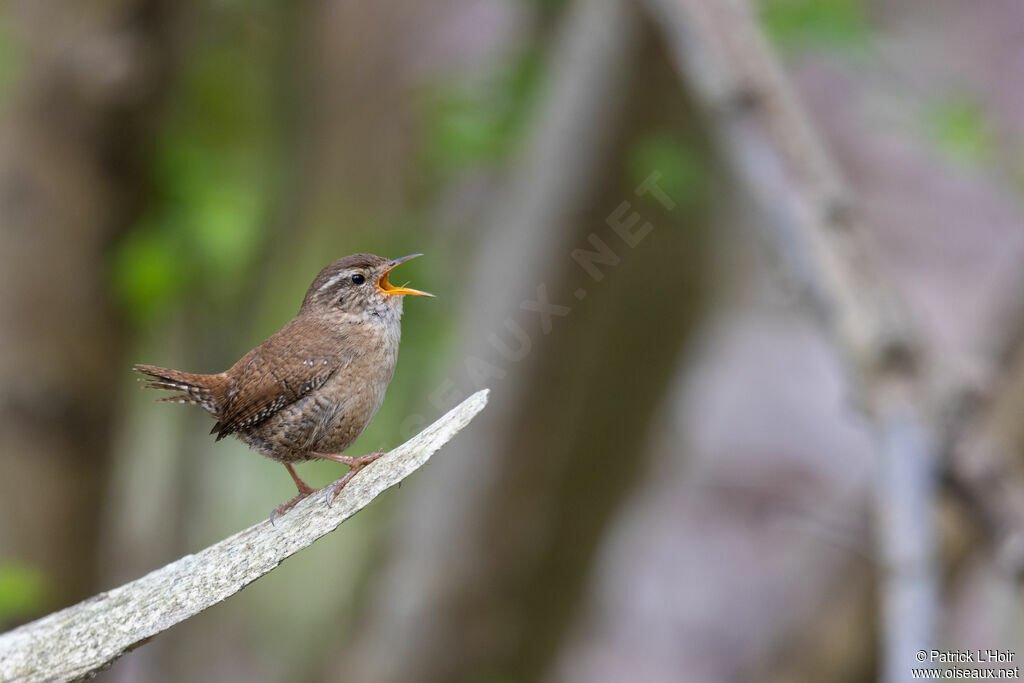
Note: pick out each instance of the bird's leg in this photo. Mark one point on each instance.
(355, 464)
(304, 490)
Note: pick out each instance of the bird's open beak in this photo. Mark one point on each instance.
(388, 288)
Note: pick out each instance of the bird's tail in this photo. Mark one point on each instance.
(194, 388)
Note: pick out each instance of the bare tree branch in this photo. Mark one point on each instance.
(89, 636)
(737, 77)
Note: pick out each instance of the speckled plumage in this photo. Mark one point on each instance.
(313, 386)
(322, 397)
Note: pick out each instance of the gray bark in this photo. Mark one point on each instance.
(89, 636)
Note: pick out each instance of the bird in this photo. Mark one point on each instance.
(310, 389)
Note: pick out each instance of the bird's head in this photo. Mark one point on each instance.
(357, 286)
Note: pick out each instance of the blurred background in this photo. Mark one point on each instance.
(674, 480)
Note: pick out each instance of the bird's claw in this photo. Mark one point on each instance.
(356, 464)
(285, 507)
(337, 486)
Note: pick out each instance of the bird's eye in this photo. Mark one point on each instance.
(358, 279)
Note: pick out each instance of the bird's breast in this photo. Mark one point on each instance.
(331, 417)
(352, 397)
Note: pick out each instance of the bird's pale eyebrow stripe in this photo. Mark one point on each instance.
(330, 282)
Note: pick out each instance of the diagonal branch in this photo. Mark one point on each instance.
(924, 417)
(735, 75)
(89, 636)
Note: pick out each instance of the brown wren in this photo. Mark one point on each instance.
(309, 390)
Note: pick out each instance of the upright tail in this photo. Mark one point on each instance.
(195, 388)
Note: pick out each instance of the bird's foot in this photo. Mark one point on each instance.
(355, 464)
(285, 507)
(304, 491)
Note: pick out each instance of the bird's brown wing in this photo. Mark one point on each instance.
(297, 360)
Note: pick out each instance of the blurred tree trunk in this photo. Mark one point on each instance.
(745, 540)
(75, 117)
(360, 73)
(497, 537)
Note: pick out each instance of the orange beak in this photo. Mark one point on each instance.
(386, 287)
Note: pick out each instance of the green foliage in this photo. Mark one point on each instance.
(145, 272)
(829, 23)
(682, 174)
(472, 124)
(22, 591)
(958, 126)
(210, 169)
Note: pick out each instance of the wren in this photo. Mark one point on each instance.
(311, 389)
